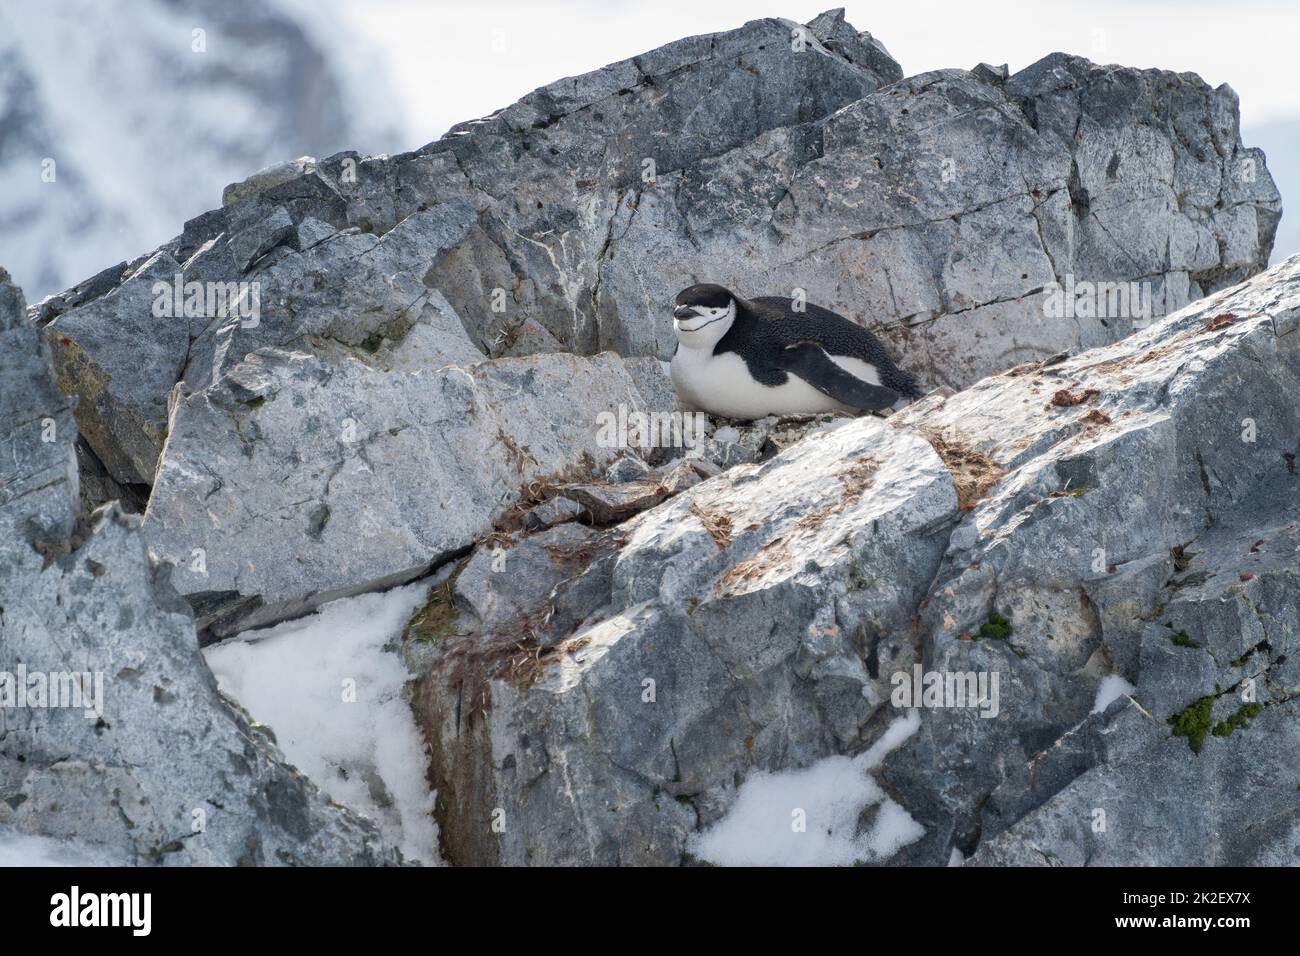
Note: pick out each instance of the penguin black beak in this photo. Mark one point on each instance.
(684, 312)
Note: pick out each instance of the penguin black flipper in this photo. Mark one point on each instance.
(811, 363)
(836, 335)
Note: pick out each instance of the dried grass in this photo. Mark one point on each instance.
(973, 473)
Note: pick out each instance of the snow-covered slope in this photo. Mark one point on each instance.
(119, 120)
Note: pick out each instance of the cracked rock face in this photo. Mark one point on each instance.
(1148, 531)
(600, 692)
(620, 636)
(302, 477)
(607, 689)
(936, 209)
(152, 765)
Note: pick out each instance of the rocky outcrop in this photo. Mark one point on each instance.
(398, 366)
(175, 317)
(112, 732)
(935, 209)
(1145, 527)
(306, 476)
(597, 695)
(607, 689)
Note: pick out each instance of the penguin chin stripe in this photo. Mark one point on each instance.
(702, 324)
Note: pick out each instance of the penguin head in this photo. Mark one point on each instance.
(702, 314)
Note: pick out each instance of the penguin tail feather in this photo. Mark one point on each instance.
(906, 385)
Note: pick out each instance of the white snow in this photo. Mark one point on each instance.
(333, 694)
(898, 731)
(145, 132)
(22, 849)
(1112, 686)
(763, 827)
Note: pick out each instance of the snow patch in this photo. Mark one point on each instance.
(333, 692)
(23, 849)
(820, 815)
(92, 80)
(1111, 688)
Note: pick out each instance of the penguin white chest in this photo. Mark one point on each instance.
(722, 385)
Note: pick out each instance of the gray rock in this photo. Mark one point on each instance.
(1132, 809)
(605, 503)
(679, 477)
(249, 245)
(1147, 531)
(939, 209)
(1116, 500)
(304, 476)
(39, 482)
(641, 669)
(264, 179)
(751, 602)
(98, 487)
(513, 574)
(529, 337)
(653, 381)
(143, 761)
(734, 443)
(354, 288)
(806, 204)
(115, 352)
(991, 74)
(627, 468)
(122, 360)
(551, 512)
(312, 232)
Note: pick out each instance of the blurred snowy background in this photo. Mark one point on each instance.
(119, 119)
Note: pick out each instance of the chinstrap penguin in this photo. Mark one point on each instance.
(747, 358)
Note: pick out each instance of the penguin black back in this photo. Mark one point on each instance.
(770, 324)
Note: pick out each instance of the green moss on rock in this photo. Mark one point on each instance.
(1194, 722)
(996, 628)
(1240, 720)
